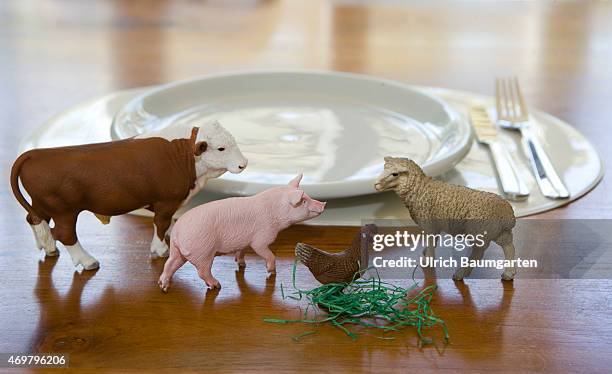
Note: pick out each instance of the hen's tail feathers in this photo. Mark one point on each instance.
(308, 254)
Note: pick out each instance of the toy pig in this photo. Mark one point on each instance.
(230, 225)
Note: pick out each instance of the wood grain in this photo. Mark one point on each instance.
(57, 53)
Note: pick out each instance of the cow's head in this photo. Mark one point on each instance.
(217, 151)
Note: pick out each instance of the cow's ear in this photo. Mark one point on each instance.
(200, 147)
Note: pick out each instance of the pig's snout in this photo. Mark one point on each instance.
(318, 206)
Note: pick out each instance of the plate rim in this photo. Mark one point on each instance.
(326, 189)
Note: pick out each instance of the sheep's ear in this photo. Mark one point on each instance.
(295, 197)
(295, 182)
(200, 147)
(388, 159)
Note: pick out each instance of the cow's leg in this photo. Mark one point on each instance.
(169, 231)
(42, 232)
(159, 248)
(239, 258)
(161, 223)
(267, 255)
(173, 263)
(65, 231)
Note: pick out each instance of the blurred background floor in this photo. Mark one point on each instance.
(54, 54)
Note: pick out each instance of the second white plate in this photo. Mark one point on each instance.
(333, 127)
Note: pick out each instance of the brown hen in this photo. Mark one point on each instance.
(338, 267)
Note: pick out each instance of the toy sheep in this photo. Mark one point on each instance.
(114, 178)
(438, 207)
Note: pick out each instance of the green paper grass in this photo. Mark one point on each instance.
(371, 303)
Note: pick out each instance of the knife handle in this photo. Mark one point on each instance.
(547, 177)
(511, 183)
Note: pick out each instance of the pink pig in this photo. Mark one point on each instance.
(231, 225)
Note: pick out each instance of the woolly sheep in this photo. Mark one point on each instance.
(439, 207)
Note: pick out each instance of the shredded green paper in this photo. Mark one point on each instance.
(371, 303)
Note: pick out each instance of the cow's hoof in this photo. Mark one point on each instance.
(160, 252)
(52, 253)
(508, 275)
(92, 266)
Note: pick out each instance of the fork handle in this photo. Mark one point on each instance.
(548, 180)
(511, 183)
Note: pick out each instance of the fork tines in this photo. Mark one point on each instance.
(509, 101)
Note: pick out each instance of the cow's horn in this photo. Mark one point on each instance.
(194, 134)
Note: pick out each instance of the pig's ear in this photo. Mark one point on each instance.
(295, 197)
(199, 148)
(295, 182)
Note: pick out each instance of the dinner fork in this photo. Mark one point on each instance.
(512, 114)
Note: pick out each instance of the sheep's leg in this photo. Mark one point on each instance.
(430, 246)
(506, 242)
(476, 254)
(429, 251)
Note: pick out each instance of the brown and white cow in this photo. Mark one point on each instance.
(107, 179)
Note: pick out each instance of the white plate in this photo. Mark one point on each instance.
(333, 127)
(575, 158)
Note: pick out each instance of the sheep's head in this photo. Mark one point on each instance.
(397, 171)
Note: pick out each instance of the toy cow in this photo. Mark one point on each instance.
(230, 225)
(114, 178)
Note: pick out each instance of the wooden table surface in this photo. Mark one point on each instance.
(54, 54)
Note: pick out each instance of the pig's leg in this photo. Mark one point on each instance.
(267, 255)
(161, 223)
(204, 267)
(239, 258)
(65, 231)
(173, 263)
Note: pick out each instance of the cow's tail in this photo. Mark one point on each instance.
(15, 184)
